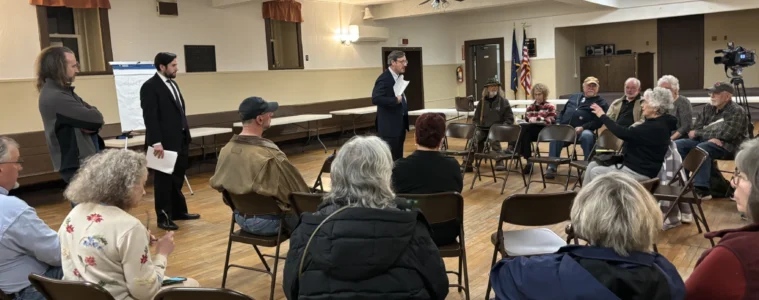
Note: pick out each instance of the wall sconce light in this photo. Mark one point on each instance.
(348, 35)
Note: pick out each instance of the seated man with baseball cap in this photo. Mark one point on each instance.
(577, 113)
(719, 129)
(251, 163)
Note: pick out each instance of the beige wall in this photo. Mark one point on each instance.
(19, 39)
(638, 36)
(741, 27)
(570, 44)
(223, 91)
(543, 70)
(333, 72)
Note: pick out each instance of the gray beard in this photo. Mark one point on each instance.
(492, 94)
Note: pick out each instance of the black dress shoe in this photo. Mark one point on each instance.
(186, 217)
(167, 225)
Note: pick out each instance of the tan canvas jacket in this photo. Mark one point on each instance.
(254, 164)
(616, 106)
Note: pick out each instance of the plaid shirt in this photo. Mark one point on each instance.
(731, 130)
(545, 113)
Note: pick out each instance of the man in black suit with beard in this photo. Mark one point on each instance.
(163, 109)
(392, 110)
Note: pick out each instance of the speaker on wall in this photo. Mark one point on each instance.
(594, 50)
(609, 49)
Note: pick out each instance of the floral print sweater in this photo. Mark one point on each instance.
(108, 246)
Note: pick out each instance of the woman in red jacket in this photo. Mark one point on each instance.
(730, 270)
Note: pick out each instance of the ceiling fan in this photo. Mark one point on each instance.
(439, 3)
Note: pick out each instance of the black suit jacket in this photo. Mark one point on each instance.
(164, 118)
(392, 117)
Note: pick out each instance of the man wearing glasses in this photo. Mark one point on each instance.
(392, 110)
(27, 244)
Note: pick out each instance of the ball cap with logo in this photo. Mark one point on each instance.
(721, 87)
(252, 107)
(591, 79)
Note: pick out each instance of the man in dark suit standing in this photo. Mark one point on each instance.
(392, 110)
(163, 109)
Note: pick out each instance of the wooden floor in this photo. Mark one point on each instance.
(201, 244)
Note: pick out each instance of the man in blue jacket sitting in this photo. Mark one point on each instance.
(577, 113)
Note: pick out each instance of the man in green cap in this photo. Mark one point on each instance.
(493, 109)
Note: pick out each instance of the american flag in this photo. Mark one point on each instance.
(525, 78)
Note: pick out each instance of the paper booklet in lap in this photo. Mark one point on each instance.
(400, 86)
(165, 164)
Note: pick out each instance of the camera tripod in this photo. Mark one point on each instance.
(742, 99)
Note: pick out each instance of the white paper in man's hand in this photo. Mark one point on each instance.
(165, 164)
(400, 86)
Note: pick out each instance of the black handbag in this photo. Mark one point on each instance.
(610, 159)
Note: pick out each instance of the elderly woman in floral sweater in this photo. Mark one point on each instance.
(539, 114)
(104, 244)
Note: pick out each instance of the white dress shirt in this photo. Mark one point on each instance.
(168, 85)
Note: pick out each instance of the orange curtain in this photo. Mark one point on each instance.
(73, 3)
(283, 10)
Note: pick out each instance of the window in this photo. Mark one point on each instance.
(284, 45)
(84, 31)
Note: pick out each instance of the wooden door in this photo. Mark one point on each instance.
(620, 68)
(681, 50)
(473, 56)
(645, 70)
(592, 66)
(486, 66)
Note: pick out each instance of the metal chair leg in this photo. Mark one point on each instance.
(492, 169)
(229, 249)
(492, 263)
(276, 261)
(459, 275)
(529, 182)
(466, 273)
(542, 176)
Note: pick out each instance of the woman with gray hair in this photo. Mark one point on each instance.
(646, 144)
(358, 244)
(100, 241)
(730, 270)
(620, 219)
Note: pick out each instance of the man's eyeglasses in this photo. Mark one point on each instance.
(403, 62)
(20, 161)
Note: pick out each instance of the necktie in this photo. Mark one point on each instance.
(176, 94)
(179, 103)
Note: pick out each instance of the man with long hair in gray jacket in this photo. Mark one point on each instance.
(71, 125)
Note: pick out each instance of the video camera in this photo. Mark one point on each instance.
(735, 58)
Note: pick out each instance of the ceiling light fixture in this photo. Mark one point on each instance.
(438, 4)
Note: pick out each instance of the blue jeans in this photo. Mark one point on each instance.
(265, 225)
(30, 293)
(701, 179)
(586, 139)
